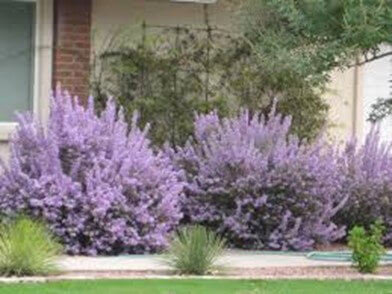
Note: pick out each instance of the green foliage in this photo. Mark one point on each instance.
(172, 74)
(194, 250)
(309, 38)
(251, 84)
(367, 247)
(381, 109)
(285, 49)
(26, 249)
(299, 42)
(164, 78)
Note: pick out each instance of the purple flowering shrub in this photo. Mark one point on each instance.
(95, 180)
(367, 172)
(101, 188)
(249, 180)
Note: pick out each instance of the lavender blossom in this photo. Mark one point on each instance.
(93, 179)
(249, 180)
(367, 171)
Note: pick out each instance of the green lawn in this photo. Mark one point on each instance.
(200, 287)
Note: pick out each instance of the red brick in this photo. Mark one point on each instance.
(66, 58)
(72, 46)
(64, 73)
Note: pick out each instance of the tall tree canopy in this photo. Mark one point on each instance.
(312, 37)
(299, 42)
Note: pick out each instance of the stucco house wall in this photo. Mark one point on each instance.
(344, 96)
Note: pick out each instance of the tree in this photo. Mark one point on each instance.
(299, 42)
(312, 37)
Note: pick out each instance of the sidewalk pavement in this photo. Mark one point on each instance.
(242, 264)
(232, 259)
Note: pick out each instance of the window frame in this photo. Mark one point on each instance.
(42, 74)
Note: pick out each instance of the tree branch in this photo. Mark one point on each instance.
(367, 60)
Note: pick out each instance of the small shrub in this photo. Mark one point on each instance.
(367, 247)
(93, 179)
(250, 181)
(27, 248)
(194, 250)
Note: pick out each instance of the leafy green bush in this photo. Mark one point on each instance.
(194, 250)
(164, 82)
(367, 247)
(26, 249)
(167, 82)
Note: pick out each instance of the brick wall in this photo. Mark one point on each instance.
(72, 45)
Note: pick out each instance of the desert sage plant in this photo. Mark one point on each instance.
(194, 250)
(92, 178)
(250, 181)
(27, 248)
(367, 172)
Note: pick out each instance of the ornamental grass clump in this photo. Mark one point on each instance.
(194, 250)
(92, 178)
(250, 181)
(27, 248)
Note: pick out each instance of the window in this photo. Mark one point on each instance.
(26, 38)
(17, 38)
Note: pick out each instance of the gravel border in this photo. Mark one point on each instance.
(292, 273)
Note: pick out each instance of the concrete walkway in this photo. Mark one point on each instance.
(232, 259)
(240, 265)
